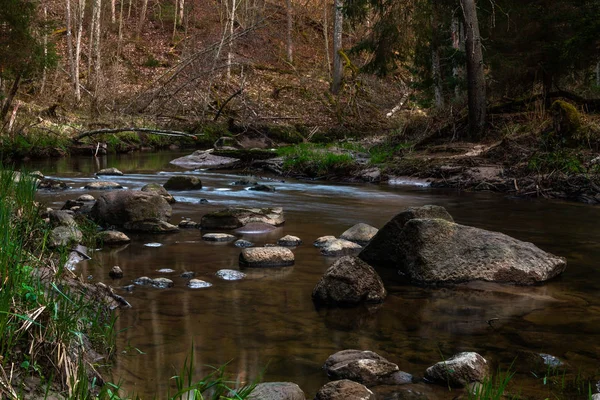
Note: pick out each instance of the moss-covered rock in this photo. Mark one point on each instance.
(567, 122)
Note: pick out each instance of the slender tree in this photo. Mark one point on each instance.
(231, 21)
(475, 70)
(80, 15)
(338, 67)
(70, 55)
(435, 57)
(290, 27)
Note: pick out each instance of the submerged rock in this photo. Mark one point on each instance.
(537, 363)
(160, 283)
(324, 241)
(266, 257)
(218, 237)
(277, 391)
(349, 281)
(203, 159)
(133, 210)
(360, 234)
(116, 272)
(241, 243)
(289, 241)
(232, 218)
(459, 370)
(189, 224)
(230, 274)
(245, 181)
(183, 182)
(102, 185)
(259, 187)
(188, 274)
(254, 228)
(340, 247)
(198, 284)
(344, 389)
(109, 171)
(160, 190)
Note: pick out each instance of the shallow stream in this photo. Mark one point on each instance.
(268, 322)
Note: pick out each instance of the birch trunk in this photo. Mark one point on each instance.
(97, 11)
(231, 28)
(475, 73)
(45, 42)
(338, 68)
(70, 54)
(113, 11)
(290, 26)
(181, 11)
(326, 36)
(81, 13)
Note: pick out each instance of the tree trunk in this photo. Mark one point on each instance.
(97, 51)
(231, 29)
(45, 42)
(9, 99)
(70, 55)
(338, 68)
(120, 36)
(458, 44)
(113, 11)
(290, 26)
(475, 73)
(80, 12)
(142, 17)
(598, 73)
(181, 11)
(435, 58)
(326, 36)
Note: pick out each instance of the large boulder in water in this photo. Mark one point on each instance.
(383, 248)
(232, 218)
(204, 159)
(360, 233)
(349, 281)
(436, 250)
(428, 247)
(133, 210)
(183, 182)
(158, 189)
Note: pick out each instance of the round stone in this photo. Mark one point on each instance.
(86, 197)
(198, 284)
(218, 237)
(230, 274)
(289, 241)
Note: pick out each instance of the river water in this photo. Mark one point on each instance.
(267, 322)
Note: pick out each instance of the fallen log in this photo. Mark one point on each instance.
(160, 132)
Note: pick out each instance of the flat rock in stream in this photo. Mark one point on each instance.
(289, 241)
(360, 233)
(344, 389)
(204, 159)
(230, 274)
(340, 247)
(113, 238)
(277, 391)
(232, 218)
(266, 257)
(110, 172)
(102, 185)
(218, 237)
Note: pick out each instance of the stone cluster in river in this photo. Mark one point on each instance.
(237, 217)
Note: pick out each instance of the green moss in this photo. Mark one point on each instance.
(568, 124)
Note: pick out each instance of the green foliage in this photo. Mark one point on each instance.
(151, 62)
(315, 161)
(493, 388)
(383, 153)
(560, 160)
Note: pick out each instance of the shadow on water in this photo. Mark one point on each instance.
(269, 318)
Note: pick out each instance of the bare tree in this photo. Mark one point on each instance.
(231, 19)
(97, 54)
(80, 15)
(458, 44)
(142, 17)
(338, 68)
(45, 43)
(290, 26)
(326, 36)
(70, 55)
(113, 16)
(475, 73)
(435, 57)
(598, 73)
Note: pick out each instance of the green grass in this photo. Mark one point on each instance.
(493, 387)
(316, 160)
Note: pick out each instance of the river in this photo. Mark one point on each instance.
(267, 322)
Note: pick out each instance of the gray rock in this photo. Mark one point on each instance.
(340, 247)
(218, 237)
(188, 274)
(277, 391)
(52, 184)
(324, 241)
(205, 160)
(245, 181)
(188, 224)
(116, 272)
(62, 218)
(165, 271)
(596, 396)
(198, 284)
(266, 257)
(241, 243)
(459, 370)
(158, 189)
(112, 238)
(346, 356)
(436, 250)
(360, 234)
(183, 182)
(232, 218)
(86, 197)
(537, 363)
(153, 244)
(259, 187)
(102, 185)
(64, 236)
(344, 390)
(109, 171)
(369, 372)
(289, 241)
(230, 274)
(254, 228)
(349, 281)
(133, 210)
(382, 249)
(162, 283)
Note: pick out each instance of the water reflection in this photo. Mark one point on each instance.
(269, 319)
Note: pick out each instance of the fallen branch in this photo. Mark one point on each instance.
(144, 130)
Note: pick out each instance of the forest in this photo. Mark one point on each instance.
(350, 114)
